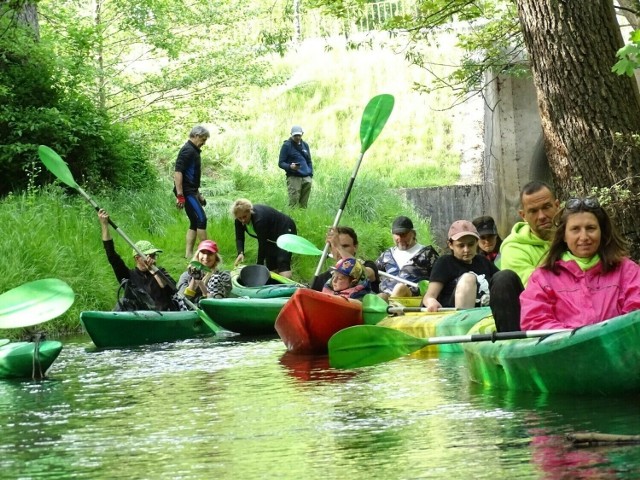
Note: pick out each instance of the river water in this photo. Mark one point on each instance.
(236, 408)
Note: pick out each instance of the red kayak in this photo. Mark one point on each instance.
(309, 319)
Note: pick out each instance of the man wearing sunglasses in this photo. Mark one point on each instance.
(143, 290)
(521, 252)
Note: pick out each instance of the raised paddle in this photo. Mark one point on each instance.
(375, 309)
(374, 118)
(56, 165)
(365, 345)
(35, 302)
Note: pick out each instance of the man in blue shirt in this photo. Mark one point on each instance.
(295, 160)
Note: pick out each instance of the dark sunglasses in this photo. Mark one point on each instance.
(588, 203)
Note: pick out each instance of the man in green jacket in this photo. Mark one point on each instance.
(521, 252)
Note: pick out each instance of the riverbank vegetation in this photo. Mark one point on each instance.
(124, 158)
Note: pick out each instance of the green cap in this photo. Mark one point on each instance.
(145, 247)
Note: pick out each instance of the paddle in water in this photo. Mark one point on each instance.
(35, 302)
(56, 165)
(374, 118)
(365, 345)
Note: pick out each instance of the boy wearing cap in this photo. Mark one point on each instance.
(461, 279)
(408, 259)
(490, 241)
(295, 160)
(348, 280)
(140, 278)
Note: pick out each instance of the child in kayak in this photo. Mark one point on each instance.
(348, 280)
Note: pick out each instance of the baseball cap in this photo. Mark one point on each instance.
(349, 267)
(208, 245)
(485, 225)
(460, 228)
(145, 247)
(296, 130)
(401, 225)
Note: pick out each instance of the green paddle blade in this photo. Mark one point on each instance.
(34, 303)
(374, 118)
(374, 309)
(364, 345)
(213, 326)
(199, 266)
(295, 244)
(56, 165)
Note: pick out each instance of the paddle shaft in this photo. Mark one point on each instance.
(336, 220)
(365, 345)
(126, 238)
(394, 310)
(398, 279)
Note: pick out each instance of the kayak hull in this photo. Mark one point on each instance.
(437, 324)
(128, 329)
(599, 359)
(310, 318)
(246, 316)
(28, 359)
(277, 286)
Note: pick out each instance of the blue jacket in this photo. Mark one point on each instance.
(290, 152)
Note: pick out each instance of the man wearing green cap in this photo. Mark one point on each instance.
(144, 290)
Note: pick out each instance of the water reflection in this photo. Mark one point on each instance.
(232, 407)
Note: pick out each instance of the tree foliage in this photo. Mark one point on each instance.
(38, 107)
(93, 79)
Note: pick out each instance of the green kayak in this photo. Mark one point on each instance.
(27, 359)
(601, 359)
(126, 329)
(247, 316)
(437, 324)
(276, 286)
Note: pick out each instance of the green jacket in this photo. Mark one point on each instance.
(522, 251)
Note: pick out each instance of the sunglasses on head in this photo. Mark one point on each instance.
(588, 203)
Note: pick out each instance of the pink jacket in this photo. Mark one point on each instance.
(574, 298)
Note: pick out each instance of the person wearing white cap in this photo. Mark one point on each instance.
(461, 279)
(295, 160)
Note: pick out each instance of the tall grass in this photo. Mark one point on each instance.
(55, 233)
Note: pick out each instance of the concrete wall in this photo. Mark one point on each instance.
(444, 205)
(513, 155)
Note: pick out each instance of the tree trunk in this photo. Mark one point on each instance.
(589, 114)
(23, 12)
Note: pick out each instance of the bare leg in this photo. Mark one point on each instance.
(191, 240)
(401, 290)
(201, 235)
(466, 290)
(286, 274)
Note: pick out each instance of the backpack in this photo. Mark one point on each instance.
(131, 298)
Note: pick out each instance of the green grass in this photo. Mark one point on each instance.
(55, 233)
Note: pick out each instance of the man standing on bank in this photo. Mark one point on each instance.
(295, 160)
(186, 179)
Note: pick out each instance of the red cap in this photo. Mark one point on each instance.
(208, 245)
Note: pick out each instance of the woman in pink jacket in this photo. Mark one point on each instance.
(586, 277)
